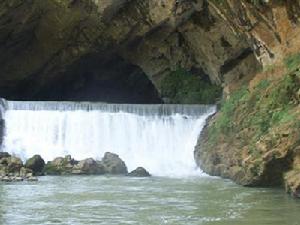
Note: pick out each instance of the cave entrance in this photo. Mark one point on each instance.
(94, 78)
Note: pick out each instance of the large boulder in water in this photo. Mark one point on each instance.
(60, 166)
(88, 166)
(14, 164)
(113, 164)
(10, 164)
(36, 164)
(139, 172)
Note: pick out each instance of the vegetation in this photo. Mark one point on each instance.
(292, 62)
(181, 86)
(255, 112)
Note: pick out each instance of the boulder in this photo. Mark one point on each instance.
(139, 172)
(113, 164)
(88, 166)
(36, 164)
(32, 179)
(4, 155)
(292, 183)
(25, 172)
(12, 164)
(60, 166)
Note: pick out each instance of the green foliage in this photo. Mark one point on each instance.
(292, 62)
(181, 86)
(224, 122)
(261, 109)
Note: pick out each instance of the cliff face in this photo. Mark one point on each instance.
(254, 138)
(175, 51)
(2, 109)
(45, 43)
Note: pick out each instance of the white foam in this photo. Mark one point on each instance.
(162, 143)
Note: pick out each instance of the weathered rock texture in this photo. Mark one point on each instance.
(36, 163)
(254, 139)
(96, 49)
(110, 164)
(2, 110)
(60, 49)
(13, 170)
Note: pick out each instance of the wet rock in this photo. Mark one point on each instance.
(88, 166)
(25, 172)
(18, 179)
(36, 164)
(6, 179)
(11, 164)
(32, 179)
(113, 164)
(292, 183)
(4, 155)
(139, 172)
(60, 166)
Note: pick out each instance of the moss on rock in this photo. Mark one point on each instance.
(181, 86)
(256, 130)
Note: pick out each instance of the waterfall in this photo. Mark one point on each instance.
(160, 138)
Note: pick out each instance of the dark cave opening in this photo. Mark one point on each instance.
(92, 78)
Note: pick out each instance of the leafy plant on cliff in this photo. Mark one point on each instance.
(181, 86)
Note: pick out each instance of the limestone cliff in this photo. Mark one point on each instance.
(64, 46)
(254, 138)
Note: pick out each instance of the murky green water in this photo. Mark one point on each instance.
(122, 200)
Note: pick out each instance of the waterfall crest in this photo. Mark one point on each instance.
(160, 138)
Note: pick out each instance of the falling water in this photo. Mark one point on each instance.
(160, 138)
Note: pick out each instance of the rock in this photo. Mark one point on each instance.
(36, 164)
(292, 183)
(25, 172)
(57, 161)
(6, 179)
(4, 155)
(88, 166)
(14, 164)
(60, 166)
(32, 179)
(18, 179)
(139, 172)
(113, 164)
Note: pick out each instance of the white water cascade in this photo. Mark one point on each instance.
(160, 138)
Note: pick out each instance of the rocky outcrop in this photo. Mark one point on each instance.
(78, 48)
(88, 166)
(36, 164)
(13, 170)
(110, 164)
(254, 139)
(113, 164)
(139, 172)
(60, 166)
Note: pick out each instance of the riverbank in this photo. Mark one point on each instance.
(254, 138)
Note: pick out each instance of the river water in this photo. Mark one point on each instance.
(159, 137)
(144, 201)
